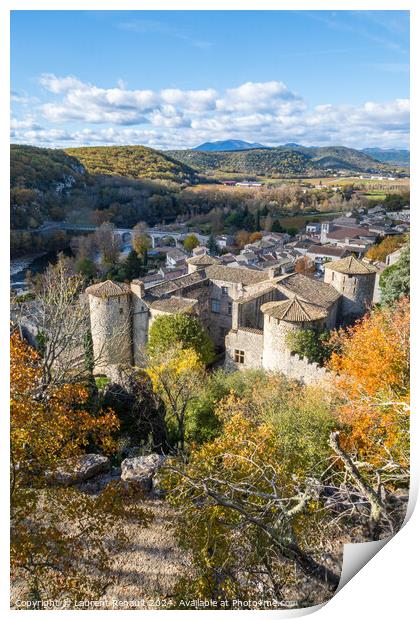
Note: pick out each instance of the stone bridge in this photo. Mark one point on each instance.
(125, 235)
(156, 235)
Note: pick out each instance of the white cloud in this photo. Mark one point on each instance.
(266, 112)
(28, 122)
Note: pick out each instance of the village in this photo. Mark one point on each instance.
(250, 299)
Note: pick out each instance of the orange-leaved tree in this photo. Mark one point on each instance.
(373, 371)
(59, 544)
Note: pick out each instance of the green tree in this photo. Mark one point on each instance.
(190, 243)
(311, 344)
(86, 267)
(182, 329)
(212, 245)
(277, 227)
(247, 509)
(133, 265)
(395, 280)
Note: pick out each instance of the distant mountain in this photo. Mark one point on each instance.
(280, 161)
(397, 157)
(228, 145)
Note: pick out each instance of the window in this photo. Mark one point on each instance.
(225, 290)
(229, 307)
(121, 310)
(239, 356)
(215, 306)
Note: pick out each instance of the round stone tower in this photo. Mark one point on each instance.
(110, 324)
(355, 280)
(281, 318)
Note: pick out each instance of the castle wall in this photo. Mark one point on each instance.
(140, 323)
(333, 314)
(249, 314)
(277, 354)
(250, 341)
(357, 292)
(220, 323)
(303, 370)
(111, 328)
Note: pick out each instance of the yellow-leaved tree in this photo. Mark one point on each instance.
(177, 375)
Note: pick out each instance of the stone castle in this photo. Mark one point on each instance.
(248, 313)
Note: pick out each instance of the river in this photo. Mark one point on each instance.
(36, 263)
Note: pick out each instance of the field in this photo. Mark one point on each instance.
(298, 221)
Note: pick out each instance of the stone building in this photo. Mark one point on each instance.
(248, 313)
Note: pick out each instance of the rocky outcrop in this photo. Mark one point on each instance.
(79, 469)
(142, 469)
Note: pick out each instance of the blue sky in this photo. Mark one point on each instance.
(172, 79)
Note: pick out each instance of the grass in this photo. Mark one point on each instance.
(298, 221)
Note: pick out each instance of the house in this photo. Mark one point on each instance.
(393, 258)
(248, 256)
(224, 241)
(200, 249)
(175, 257)
(313, 228)
(320, 254)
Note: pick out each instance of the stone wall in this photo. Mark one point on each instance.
(111, 328)
(304, 370)
(248, 340)
(140, 324)
(357, 292)
(276, 351)
(249, 314)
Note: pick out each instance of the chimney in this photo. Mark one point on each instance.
(137, 287)
(273, 272)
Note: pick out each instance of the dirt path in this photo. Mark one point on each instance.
(147, 569)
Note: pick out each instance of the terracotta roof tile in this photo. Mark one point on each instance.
(108, 289)
(309, 289)
(177, 284)
(236, 275)
(173, 305)
(203, 259)
(294, 310)
(351, 266)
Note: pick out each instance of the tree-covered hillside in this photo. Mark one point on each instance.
(43, 169)
(396, 157)
(281, 161)
(134, 162)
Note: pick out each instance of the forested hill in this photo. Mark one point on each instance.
(42, 169)
(133, 162)
(396, 157)
(90, 185)
(280, 161)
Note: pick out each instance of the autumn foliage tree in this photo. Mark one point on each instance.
(177, 375)
(373, 371)
(249, 515)
(59, 542)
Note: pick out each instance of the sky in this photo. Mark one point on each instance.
(175, 79)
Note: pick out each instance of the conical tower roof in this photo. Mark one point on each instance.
(294, 310)
(350, 266)
(108, 289)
